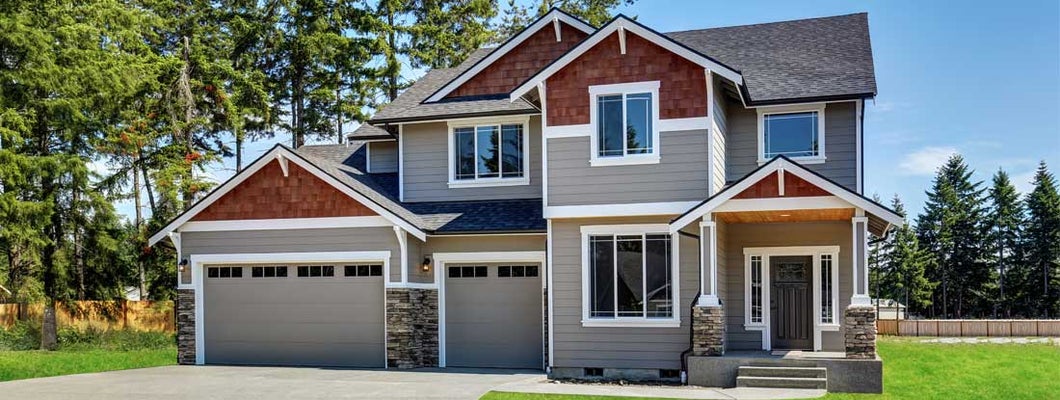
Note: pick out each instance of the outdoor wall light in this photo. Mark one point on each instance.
(183, 264)
(426, 264)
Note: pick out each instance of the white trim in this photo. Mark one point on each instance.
(857, 298)
(783, 203)
(258, 165)
(766, 253)
(632, 322)
(488, 234)
(440, 259)
(633, 27)
(792, 109)
(368, 157)
(860, 109)
(283, 163)
(551, 314)
(665, 126)
(791, 168)
(622, 40)
(175, 238)
(567, 131)
(285, 223)
(684, 124)
(780, 182)
(401, 162)
(197, 262)
(544, 146)
(403, 246)
(618, 210)
(550, 18)
(454, 183)
(555, 25)
(708, 298)
(623, 89)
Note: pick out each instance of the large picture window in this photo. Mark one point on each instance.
(489, 153)
(624, 119)
(798, 135)
(630, 276)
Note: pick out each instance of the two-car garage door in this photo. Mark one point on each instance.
(325, 315)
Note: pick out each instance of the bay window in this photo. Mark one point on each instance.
(629, 276)
(489, 154)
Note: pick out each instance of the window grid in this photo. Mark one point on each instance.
(268, 272)
(517, 271)
(813, 150)
(756, 290)
(468, 271)
(641, 310)
(224, 272)
(509, 157)
(316, 271)
(827, 305)
(363, 270)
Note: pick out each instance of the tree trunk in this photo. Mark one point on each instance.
(239, 151)
(79, 251)
(49, 336)
(138, 226)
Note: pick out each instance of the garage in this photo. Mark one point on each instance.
(294, 314)
(493, 315)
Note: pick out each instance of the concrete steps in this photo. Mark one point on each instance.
(782, 377)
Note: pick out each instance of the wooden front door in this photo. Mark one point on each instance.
(791, 302)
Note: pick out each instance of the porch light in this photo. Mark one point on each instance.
(183, 263)
(426, 264)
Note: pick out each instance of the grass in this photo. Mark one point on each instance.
(915, 370)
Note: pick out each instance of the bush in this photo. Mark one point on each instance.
(25, 335)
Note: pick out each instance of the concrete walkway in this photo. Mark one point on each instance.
(267, 383)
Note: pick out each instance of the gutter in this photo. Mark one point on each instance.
(383, 121)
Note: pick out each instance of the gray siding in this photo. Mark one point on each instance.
(681, 175)
(296, 241)
(426, 170)
(840, 143)
(579, 347)
(382, 157)
(739, 236)
(720, 126)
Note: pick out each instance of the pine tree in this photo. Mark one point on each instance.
(1042, 245)
(908, 262)
(1004, 219)
(951, 229)
(517, 16)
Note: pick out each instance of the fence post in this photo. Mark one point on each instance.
(124, 314)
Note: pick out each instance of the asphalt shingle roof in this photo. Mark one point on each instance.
(369, 131)
(346, 163)
(791, 60)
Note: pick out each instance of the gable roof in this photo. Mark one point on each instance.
(801, 60)
(884, 216)
(622, 24)
(370, 132)
(554, 16)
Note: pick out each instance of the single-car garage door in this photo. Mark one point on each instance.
(320, 315)
(493, 316)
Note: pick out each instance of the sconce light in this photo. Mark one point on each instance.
(183, 264)
(426, 264)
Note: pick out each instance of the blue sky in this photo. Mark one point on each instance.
(974, 77)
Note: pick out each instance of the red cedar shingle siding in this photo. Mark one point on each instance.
(682, 92)
(521, 62)
(793, 187)
(268, 195)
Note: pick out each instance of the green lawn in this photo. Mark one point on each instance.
(913, 370)
(36, 364)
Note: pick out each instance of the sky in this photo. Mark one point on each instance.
(977, 78)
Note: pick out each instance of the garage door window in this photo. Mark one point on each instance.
(517, 271)
(268, 272)
(363, 270)
(224, 272)
(313, 271)
(468, 272)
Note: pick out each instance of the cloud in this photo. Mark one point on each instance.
(926, 160)
(1024, 181)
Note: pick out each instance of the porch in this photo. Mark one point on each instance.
(821, 370)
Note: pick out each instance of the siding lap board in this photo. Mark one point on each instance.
(383, 156)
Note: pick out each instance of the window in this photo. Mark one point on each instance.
(468, 272)
(363, 270)
(624, 119)
(630, 276)
(798, 134)
(827, 290)
(224, 272)
(756, 313)
(489, 154)
(312, 271)
(517, 271)
(268, 272)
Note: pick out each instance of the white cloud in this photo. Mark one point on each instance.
(1023, 181)
(926, 160)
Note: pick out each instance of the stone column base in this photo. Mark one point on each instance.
(708, 331)
(411, 328)
(859, 327)
(185, 326)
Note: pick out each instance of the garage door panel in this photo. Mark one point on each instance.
(319, 321)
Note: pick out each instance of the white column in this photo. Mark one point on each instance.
(860, 277)
(708, 263)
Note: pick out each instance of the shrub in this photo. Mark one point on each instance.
(24, 335)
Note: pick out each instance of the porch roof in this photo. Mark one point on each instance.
(823, 197)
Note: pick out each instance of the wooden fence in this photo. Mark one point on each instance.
(106, 315)
(969, 327)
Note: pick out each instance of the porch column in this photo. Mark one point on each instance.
(859, 319)
(708, 316)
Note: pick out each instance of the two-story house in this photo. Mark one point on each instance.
(609, 202)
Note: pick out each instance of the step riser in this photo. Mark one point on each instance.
(776, 372)
(785, 383)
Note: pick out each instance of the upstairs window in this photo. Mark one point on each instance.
(624, 119)
(796, 134)
(493, 154)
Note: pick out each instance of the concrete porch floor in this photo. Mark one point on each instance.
(649, 391)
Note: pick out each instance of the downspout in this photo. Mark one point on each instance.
(688, 351)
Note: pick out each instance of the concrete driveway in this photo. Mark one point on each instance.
(265, 383)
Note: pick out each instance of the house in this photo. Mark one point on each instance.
(889, 309)
(609, 202)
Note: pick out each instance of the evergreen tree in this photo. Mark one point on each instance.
(517, 16)
(908, 263)
(1004, 219)
(1042, 245)
(952, 231)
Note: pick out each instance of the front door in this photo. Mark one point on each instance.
(791, 302)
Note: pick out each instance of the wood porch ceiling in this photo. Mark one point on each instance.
(753, 217)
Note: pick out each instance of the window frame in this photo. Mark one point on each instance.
(818, 108)
(623, 89)
(674, 320)
(488, 182)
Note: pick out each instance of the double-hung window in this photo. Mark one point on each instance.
(796, 133)
(629, 276)
(624, 119)
(489, 153)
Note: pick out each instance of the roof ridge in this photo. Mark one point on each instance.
(788, 21)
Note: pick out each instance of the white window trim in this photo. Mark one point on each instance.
(632, 322)
(488, 182)
(623, 88)
(817, 107)
(766, 253)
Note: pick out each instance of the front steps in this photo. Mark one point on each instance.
(782, 377)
